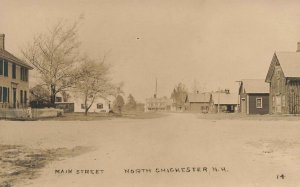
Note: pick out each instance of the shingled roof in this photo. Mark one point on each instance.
(225, 98)
(290, 63)
(199, 97)
(10, 57)
(255, 86)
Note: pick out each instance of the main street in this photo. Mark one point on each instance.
(179, 149)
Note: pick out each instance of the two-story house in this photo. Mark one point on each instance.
(284, 82)
(14, 85)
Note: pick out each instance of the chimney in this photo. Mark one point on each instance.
(2, 41)
(298, 47)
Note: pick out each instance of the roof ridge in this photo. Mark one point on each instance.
(253, 79)
(287, 52)
(9, 56)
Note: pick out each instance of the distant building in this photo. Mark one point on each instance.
(158, 104)
(199, 102)
(284, 82)
(254, 96)
(100, 105)
(224, 101)
(14, 79)
(73, 103)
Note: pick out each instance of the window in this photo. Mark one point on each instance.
(58, 99)
(82, 106)
(5, 94)
(278, 72)
(14, 71)
(24, 74)
(99, 106)
(5, 68)
(259, 102)
(273, 101)
(23, 97)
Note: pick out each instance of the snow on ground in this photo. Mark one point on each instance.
(180, 149)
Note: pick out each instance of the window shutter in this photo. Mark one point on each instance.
(21, 96)
(13, 71)
(25, 97)
(4, 94)
(8, 95)
(1, 66)
(5, 68)
(0, 94)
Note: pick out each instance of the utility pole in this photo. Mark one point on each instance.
(238, 97)
(195, 89)
(155, 87)
(219, 100)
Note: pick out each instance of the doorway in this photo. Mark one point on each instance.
(278, 104)
(243, 106)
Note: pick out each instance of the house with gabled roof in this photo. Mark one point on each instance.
(199, 102)
(224, 101)
(158, 104)
(14, 73)
(283, 78)
(254, 96)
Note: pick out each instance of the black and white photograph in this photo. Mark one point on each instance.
(160, 93)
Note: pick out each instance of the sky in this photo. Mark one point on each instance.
(213, 43)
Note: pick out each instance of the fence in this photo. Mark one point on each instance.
(29, 113)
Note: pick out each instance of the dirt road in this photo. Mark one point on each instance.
(176, 150)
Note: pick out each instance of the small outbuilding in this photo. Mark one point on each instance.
(254, 96)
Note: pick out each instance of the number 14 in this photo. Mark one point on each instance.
(282, 176)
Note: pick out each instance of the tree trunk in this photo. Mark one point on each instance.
(86, 109)
(53, 95)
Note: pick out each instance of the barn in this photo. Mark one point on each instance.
(284, 82)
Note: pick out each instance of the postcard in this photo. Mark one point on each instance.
(149, 93)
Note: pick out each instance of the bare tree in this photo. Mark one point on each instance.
(54, 55)
(93, 82)
(39, 97)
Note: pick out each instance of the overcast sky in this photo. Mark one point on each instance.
(213, 42)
